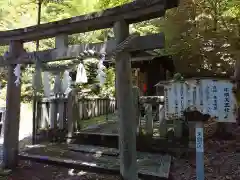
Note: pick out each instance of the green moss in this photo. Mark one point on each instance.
(95, 120)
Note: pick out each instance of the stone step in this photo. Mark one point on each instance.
(90, 159)
(144, 143)
(94, 149)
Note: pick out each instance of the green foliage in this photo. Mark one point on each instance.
(105, 4)
(92, 86)
(203, 36)
(91, 68)
(108, 88)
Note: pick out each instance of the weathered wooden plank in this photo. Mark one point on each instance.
(57, 84)
(44, 116)
(127, 128)
(53, 114)
(39, 115)
(136, 94)
(3, 117)
(132, 12)
(93, 104)
(81, 114)
(141, 43)
(13, 101)
(61, 119)
(149, 119)
(162, 121)
(72, 113)
(96, 107)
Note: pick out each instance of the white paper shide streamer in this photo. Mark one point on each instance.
(81, 74)
(46, 84)
(17, 73)
(66, 82)
(101, 74)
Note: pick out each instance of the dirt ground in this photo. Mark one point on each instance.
(34, 171)
(222, 162)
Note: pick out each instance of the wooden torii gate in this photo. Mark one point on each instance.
(119, 18)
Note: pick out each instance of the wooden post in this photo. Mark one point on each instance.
(61, 42)
(81, 114)
(57, 84)
(136, 95)
(93, 107)
(72, 113)
(37, 87)
(70, 118)
(162, 121)
(3, 117)
(61, 113)
(34, 114)
(149, 120)
(13, 101)
(53, 113)
(199, 151)
(85, 112)
(39, 112)
(127, 132)
(98, 107)
(54, 102)
(44, 116)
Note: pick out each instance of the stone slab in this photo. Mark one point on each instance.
(149, 165)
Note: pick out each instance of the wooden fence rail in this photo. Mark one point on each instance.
(2, 120)
(52, 113)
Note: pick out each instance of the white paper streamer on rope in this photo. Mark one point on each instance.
(46, 84)
(17, 73)
(66, 82)
(101, 74)
(81, 74)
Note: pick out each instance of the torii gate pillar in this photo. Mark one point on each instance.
(127, 123)
(13, 101)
